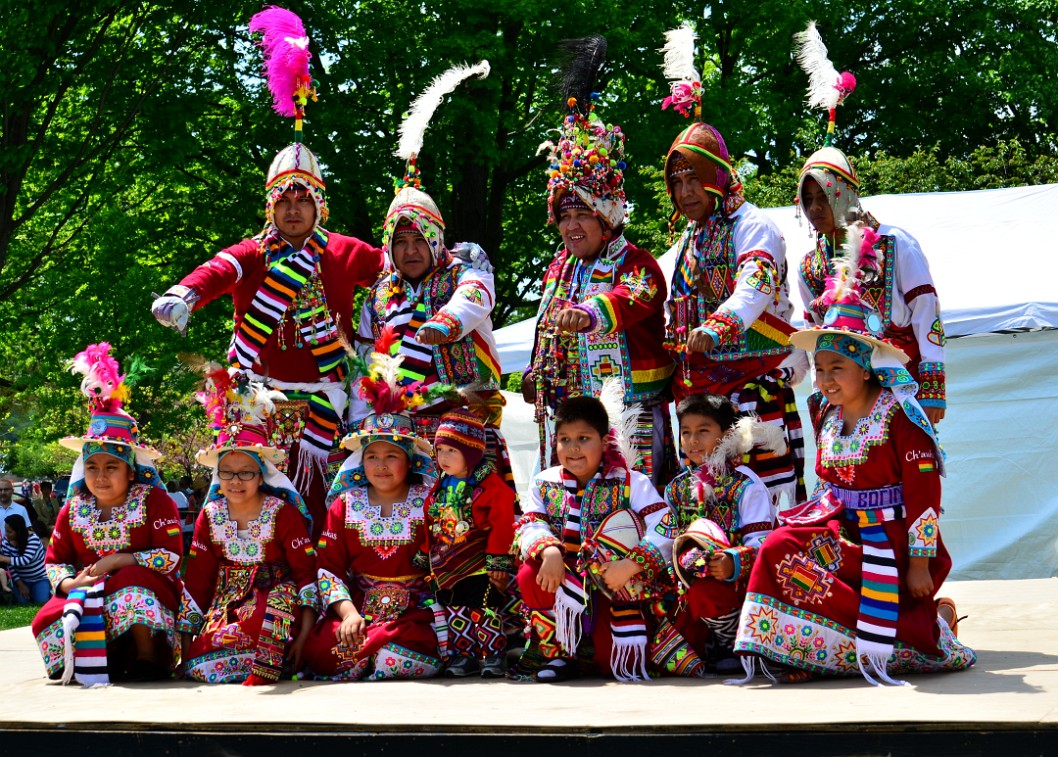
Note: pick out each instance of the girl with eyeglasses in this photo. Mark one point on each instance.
(250, 588)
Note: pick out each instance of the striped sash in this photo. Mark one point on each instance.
(879, 592)
(288, 273)
(85, 636)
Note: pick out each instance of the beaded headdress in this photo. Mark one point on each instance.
(588, 158)
(286, 69)
(239, 412)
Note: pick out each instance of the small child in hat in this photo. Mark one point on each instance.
(724, 512)
(470, 528)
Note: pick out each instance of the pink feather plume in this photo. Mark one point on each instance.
(286, 56)
(102, 376)
(214, 396)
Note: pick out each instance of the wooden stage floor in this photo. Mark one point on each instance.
(1008, 703)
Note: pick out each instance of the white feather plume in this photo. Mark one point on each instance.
(747, 433)
(623, 420)
(387, 367)
(679, 54)
(258, 401)
(844, 284)
(413, 129)
(812, 57)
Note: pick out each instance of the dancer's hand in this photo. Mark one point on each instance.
(351, 630)
(618, 573)
(700, 341)
(919, 581)
(549, 577)
(721, 566)
(935, 414)
(572, 320)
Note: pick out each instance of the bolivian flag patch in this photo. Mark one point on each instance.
(926, 466)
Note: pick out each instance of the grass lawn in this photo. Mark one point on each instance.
(15, 616)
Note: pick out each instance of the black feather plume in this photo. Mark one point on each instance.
(581, 65)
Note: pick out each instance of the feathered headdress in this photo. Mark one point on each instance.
(623, 422)
(685, 81)
(413, 128)
(380, 387)
(286, 62)
(102, 382)
(827, 89)
(239, 411)
(588, 159)
(747, 433)
(858, 258)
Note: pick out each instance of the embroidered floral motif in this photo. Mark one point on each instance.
(159, 560)
(248, 549)
(641, 286)
(922, 535)
(59, 573)
(395, 661)
(385, 601)
(190, 618)
(813, 642)
(803, 580)
(222, 666)
(330, 588)
(839, 451)
(932, 390)
(385, 534)
(105, 537)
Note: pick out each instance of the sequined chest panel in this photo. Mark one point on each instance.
(842, 453)
(248, 549)
(455, 362)
(877, 293)
(601, 497)
(105, 537)
(385, 534)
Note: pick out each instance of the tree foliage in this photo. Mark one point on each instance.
(136, 135)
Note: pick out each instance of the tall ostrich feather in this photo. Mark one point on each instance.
(747, 433)
(679, 55)
(826, 87)
(582, 61)
(286, 56)
(413, 129)
(102, 379)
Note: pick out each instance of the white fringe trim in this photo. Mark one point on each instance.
(568, 628)
(628, 660)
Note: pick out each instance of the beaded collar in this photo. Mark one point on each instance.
(248, 549)
(105, 537)
(841, 451)
(385, 534)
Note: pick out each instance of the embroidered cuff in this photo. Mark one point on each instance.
(446, 323)
(307, 595)
(537, 545)
(499, 562)
(922, 535)
(602, 314)
(59, 573)
(743, 558)
(932, 389)
(159, 560)
(649, 557)
(330, 588)
(189, 619)
(725, 327)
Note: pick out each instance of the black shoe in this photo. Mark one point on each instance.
(558, 670)
(494, 666)
(461, 667)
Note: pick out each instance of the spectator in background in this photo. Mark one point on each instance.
(22, 553)
(8, 506)
(177, 496)
(46, 503)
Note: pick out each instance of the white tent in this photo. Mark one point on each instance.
(990, 252)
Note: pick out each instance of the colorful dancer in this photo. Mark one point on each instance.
(729, 313)
(292, 285)
(114, 558)
(249, 597)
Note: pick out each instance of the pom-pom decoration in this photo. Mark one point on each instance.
(827, 89)
(286, 62)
